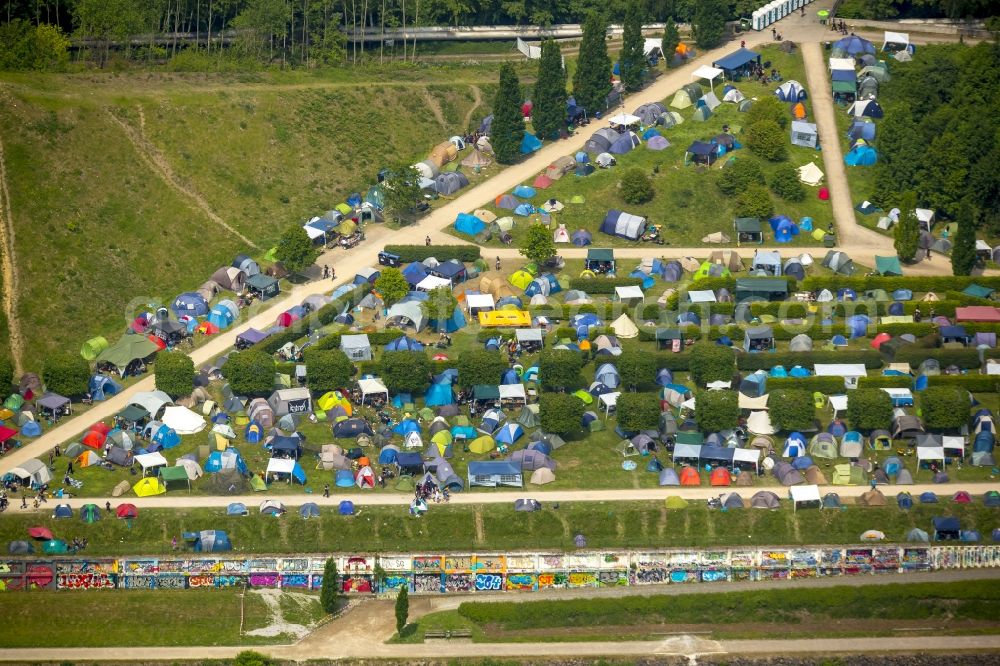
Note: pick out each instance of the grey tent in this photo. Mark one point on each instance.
(786, 474)
(406, 314)
(759, 338)
(800, 343)
(356, 347)
(831, 501)
(804, 134)
(904, 477)
(450, 182)
(650, 113)
(917, 535)
(839, 262)
(764, 499)
(794, 268)
(529, 416)
(528, 505)
(531, 460)
(596, 144)
(733, 501)
(668, 477)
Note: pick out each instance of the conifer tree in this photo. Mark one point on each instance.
(963, 255)
(632, 59)
(709, 23)
(507, 129)
(671, 39)
(549, 113)
(592, 79)
(907, 232)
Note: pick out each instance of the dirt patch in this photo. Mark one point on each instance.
(278, 626)
(435, 108)
(477, 101)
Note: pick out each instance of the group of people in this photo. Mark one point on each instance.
(839, 26)
(429, 491)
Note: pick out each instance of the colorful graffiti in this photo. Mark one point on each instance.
(85, 581)
(489, 582)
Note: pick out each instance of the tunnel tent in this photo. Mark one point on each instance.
(92, 347)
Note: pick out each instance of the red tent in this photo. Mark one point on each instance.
(94, 439)
(689, 477)
(43, 533)
(100, 427)
(962, 497)
(127, 511)
(139, 324)
(720, 477)
(879, 339)
(6, 433)
(208, 328)
(526, 109)
(542, 182)
(157, 341)
(977, 313)
(286, 319)
(824, 194)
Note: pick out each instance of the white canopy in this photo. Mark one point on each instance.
(759, 423)
(280, 465)
(840, 370)
(993, 367)
(901, 38)
(651, 44)
(433, 282)
(687, 451)
(626, 293)
(745, 456)
(701, 296)
(512, 392)
(609, 400)
(182, 420)
(842, 63)
(707, 73)
(930, 453)
(803, 494)
(150, 460)
(746, 402)
(839, 403)
(954, 443)
(625, 119)
(372, 386)
(719, 385)
(480, 301)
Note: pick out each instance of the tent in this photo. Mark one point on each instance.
(804, 134)
(791, 91)
(127, 350)
(530, 143)
(623, 225)
(838, 262)
(700, 152)
(468, 224)
(212, 541)
(764, 499)
(861, 156)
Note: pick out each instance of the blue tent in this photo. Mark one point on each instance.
(221, 316)
(166, 437)
(802, 462)
(254, 432)
(212, 541)
(688, 318)
(896, 309)
(647, 280)
(524, 210)
(404, 343)
(524, 191)
(623, 144)
(902, 295)
(237, 509)
(510, 377)
(31, 429)
(858, 325)
(449, 325)
(904, 501)
(467, 432)
(650, 133)
(737, 59)
(854, 45)
(344, 478)
(351, 428)
(664, 377)
(387, 455)
(346, 508)
(190, 303)
(406, 426)
(228, 459)
(582, 157)
(784, 229)
(928, 498)
(493, 344)
(754, 385)
(530, 143)
(447, 376)
(861, 130)
(798, 372)
(837, 428)
(309, 510)
(439, 394)
(415, 272)
(861, 156)
(984, 442)
(514, 301)
(354, 200)
(847, 294)
(779, 371)
(102, 386)
(509, 433)
(468, 224)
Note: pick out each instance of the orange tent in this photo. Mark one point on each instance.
(689, 477)
(585, 345)
(720, 477)
(157, 341)
(681, 49)
(799, 111)
(208, 328)
(94, 439)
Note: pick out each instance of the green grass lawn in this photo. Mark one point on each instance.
(687, 202)
(454, 528)
(140, 617)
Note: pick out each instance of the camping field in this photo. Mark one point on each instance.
(497, 527)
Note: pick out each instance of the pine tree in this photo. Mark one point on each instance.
(671, 39)
(507, 129)
(592, 79)
(907, 231)
(402, 608)
(549, 113)
(963, 254)
(329, 591)
(709, 23)
(632, 59)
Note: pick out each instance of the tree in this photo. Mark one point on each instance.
(711, 363)
(671, 40)
(638, 411)
(66, 374)
(869, 409)
(559, 369)
(258, 24)
(480, 366)
(327, 369)
(769, 108)
(963, 254)
(708, 24)
(391, 285)
(906, 234)
(536, 245)
(174, 373)
(560, 413)
(402, 608)
(106, 20)
(329, 591)
(549, 113)
(754, 201)
(6, 374)
(440, 306)
(637, 369)
(632, 58)
(635, 186)
(252, 658)
(401, 184)
(716, 410)
(592, 79)
(27, 46)
(766, 139)
(296, 251)
(249, 373)
(739, 175)
(406, 371)
(900, 154)
(507, 130)
(944, 407)
(786, 184)
(791, 409)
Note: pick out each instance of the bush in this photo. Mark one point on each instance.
(743, 173)
(869, 409)
(559, 369)
(766, 139)
(478, 366)
(174, 373)
(405, 371)
(638, 411)
(637, 369)
(249, 373)
(711, 362)
(560, 413)
(715, 410)
(251, 658)
(636, 187)
(791, 409)
(935, 283)
(786, 184)
(66, 374)
(6, 374)
(826, 385)
(411, 253)
(944, 407)
(327, 369)
(754, 201)
(391, 285)
(767, 108)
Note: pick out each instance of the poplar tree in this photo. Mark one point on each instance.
(507, 129)
(592, 79)
(907, 232)
(671, 40)
(963, 255)
(632, 58)
(549, 112)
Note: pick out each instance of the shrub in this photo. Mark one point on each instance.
(6, 374)
(711, 362)
(766, 139)
(391, 285)
(791, 409)
(174, 373)
(249, 373)
(559, 369)
(638, 411)
(636, 187)
(327, 369)
(767, 108)
(478, 366)
(740, 175)
(786, 184)
(66, 374)
(944, 407)
(560, 413)
(754, 201)
(716, 410)
(405, 371)
(869, 409)
(410, 253)
(637, 369)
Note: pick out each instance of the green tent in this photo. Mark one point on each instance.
(675, 502)
(258, 484)
(129, 348)
(888, 266)
(90, 513)
(133, 414)
(688, 437)
(55, 547)
(93, 347)
(976, 291)
(178, 473)
(761, 288)
(849, 87)
(846, 474)
(14, 402)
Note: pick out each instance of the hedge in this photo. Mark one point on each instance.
(871, 359)
(314, 320)
(886, 381)
(937, 283)
(919, 330)
(963, 358)
(410, 253)
(602, 285)
(825, 385)
(973, 383)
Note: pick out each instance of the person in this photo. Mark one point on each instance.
(498, 263)
(743, 43)
(872, 481)
(928, 254)
(803, 13)
(774, 33)
(916, 314)
(69, 468)
(326, 271)
(829, 228)
(24, 501)
(326, 490)
(107, 507)
(427, 241)
(173, 543)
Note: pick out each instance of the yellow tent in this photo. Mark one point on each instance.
(483, 444)
(88, 458)
(520, 279)
(819, 234)
(333, 399)
(505, 319)
(347, 227)
(221, 443)
(149, 486)
(442, 438)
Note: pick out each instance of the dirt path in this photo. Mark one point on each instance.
(159, 164)
(8, 263)
(435, 108)
(477, 101)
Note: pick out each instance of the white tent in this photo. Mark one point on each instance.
(711, 101)
(148, 461)
(651, 45)
(370, 387)
(804, 495)
(841, 63)
(192, 468)
(560, 235)
(759, 423)
(34, 470)
(709, 74)
(432, 282)
(701, 296)
(810, 174)
(628, 293)
(734, 96)
(182, 420)
(899, 39)
(624, 327)
(151, 401)
(746, 402)
(480, 303)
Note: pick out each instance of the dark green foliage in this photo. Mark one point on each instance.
(743, 173)
(402, 608)
(716, 410)
(899, 154)
(638, 411)
(671, 39)
(174, 373)
(66, 374)
(549, 113)
(410, 253)
(440, 304)
(560, 413)
(944, 407)
(709, 23)
(406, 372)
(635, 186)
(559, 369)
(252, 658)
(391, 285)
(296, 251)
(711, 362)
(592, 79)
(632, 59)
(507, 129)
(6, 374)
(637, 368)
(906, 234)
(963, 254)
(479, 366)
(754, 201)
(786, 184)
(327, 369)
(791, 409)
(329, 591)
(869, 357)
(869, 409)
(250, 373)
(402, 192)
(768, 108)
(26, 46)
(766, 139)
(536, 244)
